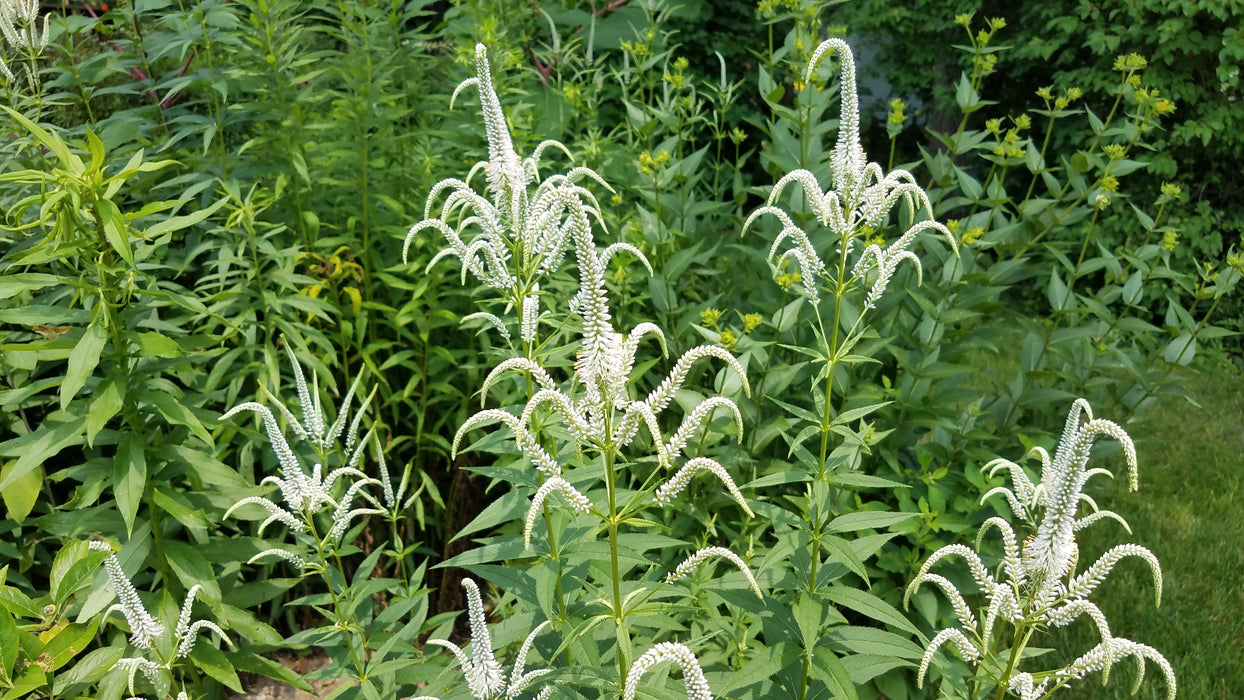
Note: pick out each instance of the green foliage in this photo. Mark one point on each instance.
(209, 206)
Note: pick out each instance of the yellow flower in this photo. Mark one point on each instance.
(963, 20)
(710, 317)
(1043, 93)
(1022, 122)
(1170, 240)
(972, 235)
(728, 339)
(1075, 93)
(1110, 183)
(1170, 189)
(752, 321)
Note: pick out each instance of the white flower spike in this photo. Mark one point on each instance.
(693, 676)
(483, 674)
(1039, 586)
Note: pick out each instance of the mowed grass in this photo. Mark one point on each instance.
(1189, 513)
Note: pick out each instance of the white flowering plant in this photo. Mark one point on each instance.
(1039, 584)
(591, 420)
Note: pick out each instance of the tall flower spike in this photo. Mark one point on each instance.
(693, 676)
(862, 197)
(143, 627)
(483, 674)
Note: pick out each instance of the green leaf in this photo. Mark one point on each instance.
(867, 519)
(89, 669)
(115, 230)
(8, 644)
(178, 223)
(177, 413)
(191, 568)
(857, 413)
(843, 553)
(871, 606)
(250, 662)
(68, 642)
(82, 361)
(214, 663)
(828, 667)
(21, 495)
(159, 345)
(106, 404)
(856, 480)
(58, 431)
(13, 284)
(872, 641)
(1180, 350)
(129, 477)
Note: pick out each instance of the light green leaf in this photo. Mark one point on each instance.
(214, 663)
(21, 495)
(8, 643)
(115, 230)
(178, 223)
(13, 284)
(58, 431)
(106, 404)
(159, 345)
(82, 362)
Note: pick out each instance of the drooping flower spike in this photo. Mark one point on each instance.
(693, 676)
(703, 555)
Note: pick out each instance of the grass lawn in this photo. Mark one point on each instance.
(1188, 513)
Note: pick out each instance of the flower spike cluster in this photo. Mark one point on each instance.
(1040, 585)
(146, 631)
(861, 199)
(19, 25)
(512, 234)
(483, 674)
(303, 494)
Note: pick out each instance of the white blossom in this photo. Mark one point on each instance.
(693, 676)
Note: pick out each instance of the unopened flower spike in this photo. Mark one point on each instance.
(186, 633)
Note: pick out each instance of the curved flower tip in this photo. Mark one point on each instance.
(704, 555)
(693, 676)
(577, 501)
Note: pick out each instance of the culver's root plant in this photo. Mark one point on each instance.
(580, 432)
(1039, 585)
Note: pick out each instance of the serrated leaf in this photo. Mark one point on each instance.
(871, 606)
(867, 519)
